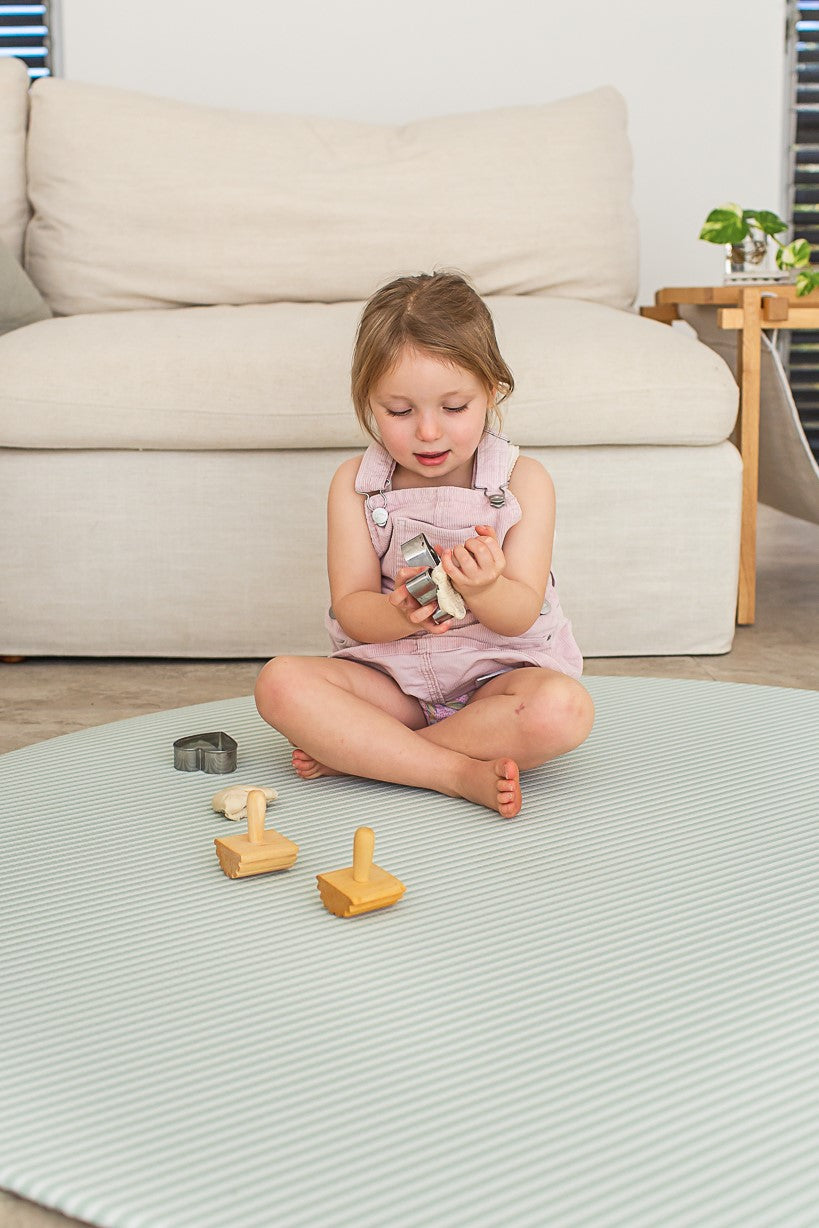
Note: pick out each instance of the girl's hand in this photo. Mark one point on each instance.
(475, 566)
(420, 616)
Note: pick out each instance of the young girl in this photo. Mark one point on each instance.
(459, 706)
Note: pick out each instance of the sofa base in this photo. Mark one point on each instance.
(646, 555)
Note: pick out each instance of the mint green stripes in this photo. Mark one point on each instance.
(603, 1012)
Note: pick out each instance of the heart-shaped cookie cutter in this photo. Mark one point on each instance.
(214, 753)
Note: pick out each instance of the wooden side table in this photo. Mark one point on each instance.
(748, 309)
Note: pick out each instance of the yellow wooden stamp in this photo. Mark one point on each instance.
(362, 887)
(258, 851)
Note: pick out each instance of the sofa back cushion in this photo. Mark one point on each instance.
(144, 202)
(14, 211)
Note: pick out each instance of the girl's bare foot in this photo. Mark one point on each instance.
(495, 784)
(309, 768)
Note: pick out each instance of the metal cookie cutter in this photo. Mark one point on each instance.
(214, 753)
(419, 553)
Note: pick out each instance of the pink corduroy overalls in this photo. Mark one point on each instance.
(442, 671)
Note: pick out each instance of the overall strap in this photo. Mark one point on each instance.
(375, 469)
(494, 462)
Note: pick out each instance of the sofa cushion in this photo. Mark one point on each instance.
(277, 376)
(144, 202)
(20, 301)
(14, 210)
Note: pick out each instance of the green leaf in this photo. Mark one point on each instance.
(766, 221)
(724, 225)
(801, 252)
(795, 255)
(806, 280)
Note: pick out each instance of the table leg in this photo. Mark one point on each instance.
(749, 342)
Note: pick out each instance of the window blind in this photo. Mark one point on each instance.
(26, 31)
(800, 349)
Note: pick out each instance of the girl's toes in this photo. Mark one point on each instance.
(309, 768)
(508, 786)
(304, 764)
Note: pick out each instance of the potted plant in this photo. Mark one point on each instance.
(747, 234)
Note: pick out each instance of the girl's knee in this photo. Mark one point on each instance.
(580, 714)
(277, 683)
(561, 712)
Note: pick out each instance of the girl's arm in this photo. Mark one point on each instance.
(354, 569)
(505, 588)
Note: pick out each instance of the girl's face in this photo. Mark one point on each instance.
(430, 416)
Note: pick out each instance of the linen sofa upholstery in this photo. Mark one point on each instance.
(207, 206)
(14, 207)
(208, 382)
(181, 415)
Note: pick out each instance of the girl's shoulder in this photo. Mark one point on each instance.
(342, 483)
(367, 471)
(530, 480)
(348, 469)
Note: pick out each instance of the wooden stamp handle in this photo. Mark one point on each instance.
(256, 811)
(363, 847)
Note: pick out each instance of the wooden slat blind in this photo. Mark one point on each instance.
(26, 32)
(801, 349)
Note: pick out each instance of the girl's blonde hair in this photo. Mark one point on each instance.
(438, 313)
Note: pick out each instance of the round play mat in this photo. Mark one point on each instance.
(605, 1011)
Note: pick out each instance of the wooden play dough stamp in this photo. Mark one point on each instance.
(362, 887)
(259, 851)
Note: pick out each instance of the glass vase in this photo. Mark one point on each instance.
(754, 259)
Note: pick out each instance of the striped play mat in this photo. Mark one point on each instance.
(603, 1012)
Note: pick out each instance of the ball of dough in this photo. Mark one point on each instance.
(449, 599)
(232, 802)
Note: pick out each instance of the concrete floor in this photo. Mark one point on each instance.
(45, 697)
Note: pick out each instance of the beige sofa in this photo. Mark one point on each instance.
(167, 438)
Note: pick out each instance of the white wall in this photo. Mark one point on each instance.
(703, 80)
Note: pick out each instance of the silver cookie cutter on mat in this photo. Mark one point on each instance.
(419, 553)
(214, 753)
